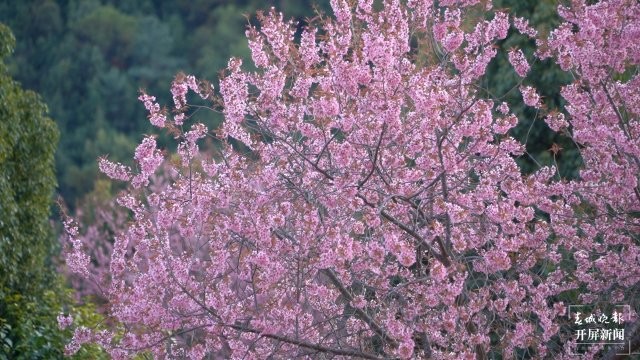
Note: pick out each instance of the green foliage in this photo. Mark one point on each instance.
(27, 143)
(29, 329)
(88, 58)
(28, 326)
(112, 31)
(31, 293)
(545, 76)
(88, 316)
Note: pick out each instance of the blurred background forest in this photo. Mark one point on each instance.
(87, 59)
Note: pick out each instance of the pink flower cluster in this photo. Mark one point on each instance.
(179, 89)
(76, 259)
(149, 159)
(519, 62)
(113, 170)
(362, 204)
(64, 321)
(530, 96)
(524, 28)
(556, 121)
(156, 116)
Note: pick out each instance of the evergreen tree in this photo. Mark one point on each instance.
(30, 294)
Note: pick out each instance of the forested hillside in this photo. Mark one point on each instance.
(89, 58)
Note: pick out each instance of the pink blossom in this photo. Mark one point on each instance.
(499, 26)
(64, 321)
(356, 192)
(523, 27)
(278, 34)
(530, 96)
(406, 349)
(179, 91)
(453, 40)
(149, 159)
(76, 259)
(113, 170)
(556, 121)
(156, 115)
(341, 10)
(178, 119)
(519, 62)
(234, 92)
(256, 45)
(308, 48)
(503, 108)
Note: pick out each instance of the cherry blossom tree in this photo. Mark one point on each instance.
(365, 201)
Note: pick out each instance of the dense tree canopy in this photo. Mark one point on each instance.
(32, 293)
(29, 296)
(366, 198)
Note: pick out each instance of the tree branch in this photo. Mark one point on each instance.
(615, 109)
(306, 345)
(443, 258)
(375, 157)
(363, 315)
